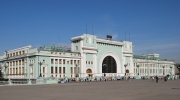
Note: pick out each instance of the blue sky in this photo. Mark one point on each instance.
(153, 25)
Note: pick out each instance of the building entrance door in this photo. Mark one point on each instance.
(109, 65)
(89, 71)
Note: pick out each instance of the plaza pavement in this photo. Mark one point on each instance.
(108, 90)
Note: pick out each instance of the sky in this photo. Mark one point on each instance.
(152, 25)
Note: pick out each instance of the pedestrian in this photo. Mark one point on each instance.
(156, 79)
(153, 79)
(128, 79)
(165, 79)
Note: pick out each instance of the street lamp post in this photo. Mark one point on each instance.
(77, 75)
(138, 68)
(138, 76)
(40, 63)
(163, 70)
(125, 65)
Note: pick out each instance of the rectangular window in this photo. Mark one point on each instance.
(78, 62)
(19, 52)
(67, 62)
(74, 69)
(19, 62)
(71, 70)
(19, 70)
(74, 61)
(56, 70)
(23, 52)
(63, 61)
(22, 70)
(76, 47)
(22, 62)
(56, 61)
(10, 70)
(52, 61)
(51, 70)
(78, 70)
(71, 62)
(59, 69)
(43, 69)
(16, 63)
(59, 61)
(13, 63)
(16, 70)
(16, 53)
(64, 70)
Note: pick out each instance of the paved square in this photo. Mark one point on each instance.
(109, 90)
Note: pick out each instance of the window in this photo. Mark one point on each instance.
(74, 61)
(63, 61)
(16, 70)
(22, 62)
(16, 53)
(86, 62)
(71, 61)
(10, 63)
(16, 63)
(52, 61)
(74, 69)
(64, 70)
(76, 47)
(71, 69)
(59, 69)
(43, 69)
(55, 69)
(22, 70)
(91, 62)
(10, 70)
(67, 62)
(13, 63)
(59, 61)
(56, 61)
(19, 62)
(51, 70)
(23, 52)
(78, 62)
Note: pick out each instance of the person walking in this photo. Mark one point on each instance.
(156, 79)
(128, 79)
(153, 78)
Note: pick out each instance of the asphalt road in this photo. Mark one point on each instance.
(109, 90)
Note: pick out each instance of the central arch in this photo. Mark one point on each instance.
(109, 65)
(116, 58)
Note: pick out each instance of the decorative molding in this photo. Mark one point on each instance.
(109, 42)
(77, 38)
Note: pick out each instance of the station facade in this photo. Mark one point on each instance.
(87, 56)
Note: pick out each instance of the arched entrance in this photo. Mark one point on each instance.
(109, 65)
(89, 71)
(127, 71)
